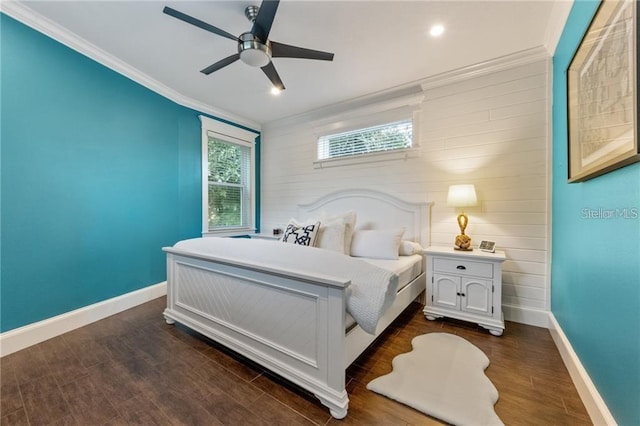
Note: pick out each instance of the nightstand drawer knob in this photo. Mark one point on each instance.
(461, 267)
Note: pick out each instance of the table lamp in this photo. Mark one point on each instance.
(462, 196)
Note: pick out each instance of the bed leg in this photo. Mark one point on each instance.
(167, 318)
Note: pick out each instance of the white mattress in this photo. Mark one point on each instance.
(406, 267)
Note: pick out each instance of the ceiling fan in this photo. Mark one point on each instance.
(254, 47)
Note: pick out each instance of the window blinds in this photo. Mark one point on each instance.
(385, 137)
(229, 177)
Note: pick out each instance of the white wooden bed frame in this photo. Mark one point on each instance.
(289, 321)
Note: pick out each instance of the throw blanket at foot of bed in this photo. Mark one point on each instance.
(371, 292)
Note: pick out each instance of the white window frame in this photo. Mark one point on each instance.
(235, 135)
(368, 117)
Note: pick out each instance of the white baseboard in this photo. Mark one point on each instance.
(23, 337)
(593, 402)
(526, 316)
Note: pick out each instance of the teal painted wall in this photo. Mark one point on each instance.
(595, 271)
(98, 174)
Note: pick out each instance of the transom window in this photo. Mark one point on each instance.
(385, 137)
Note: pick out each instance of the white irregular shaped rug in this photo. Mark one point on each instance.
(442, 376)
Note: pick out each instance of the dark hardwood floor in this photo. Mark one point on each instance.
(132, 368)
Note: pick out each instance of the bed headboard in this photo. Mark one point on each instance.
(376, 210)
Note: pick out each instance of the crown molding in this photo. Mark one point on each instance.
(557, 21)
(351, 110)
(397, 97)
(27, 16)
(488, 67)
(411, 93)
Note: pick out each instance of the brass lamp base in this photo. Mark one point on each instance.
(463, 241)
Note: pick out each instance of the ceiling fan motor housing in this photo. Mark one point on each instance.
(253, 51)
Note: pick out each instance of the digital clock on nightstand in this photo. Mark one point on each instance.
(488, 246)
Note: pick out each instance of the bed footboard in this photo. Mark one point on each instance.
(289, 322)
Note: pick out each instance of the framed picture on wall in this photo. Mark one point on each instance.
(602, 89)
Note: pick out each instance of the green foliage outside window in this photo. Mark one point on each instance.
(225, 184)
(397, 135)
(224, 206)
(370, 140)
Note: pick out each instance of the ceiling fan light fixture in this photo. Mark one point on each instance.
(253, 52)
(255, 57)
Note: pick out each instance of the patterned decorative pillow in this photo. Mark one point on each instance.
(302, 234)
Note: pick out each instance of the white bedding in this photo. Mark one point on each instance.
(407, 268)
(372, 290)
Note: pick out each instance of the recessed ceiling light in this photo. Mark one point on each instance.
(275, 91)
(436, 30)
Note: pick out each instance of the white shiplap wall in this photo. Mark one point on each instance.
(490, 130)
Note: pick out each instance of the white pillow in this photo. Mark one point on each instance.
(331, 235)
(349, 220)
(377, 244)
(303, 234)
(407, 248)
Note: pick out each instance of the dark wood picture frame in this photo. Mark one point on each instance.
(602, 93)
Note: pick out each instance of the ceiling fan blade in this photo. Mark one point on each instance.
(279, 50)
(264, 20)
(271, 72)
(198, 23)
(221, 64)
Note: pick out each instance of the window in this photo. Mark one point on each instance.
(385, 137)
(228, 178)
(229, 190)
(384, 130)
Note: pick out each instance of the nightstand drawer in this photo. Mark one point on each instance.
(462, 267)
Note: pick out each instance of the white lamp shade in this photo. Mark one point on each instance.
(462, 196)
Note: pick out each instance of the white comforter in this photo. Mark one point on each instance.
(372, 289)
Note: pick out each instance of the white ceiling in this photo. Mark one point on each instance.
(378, 45)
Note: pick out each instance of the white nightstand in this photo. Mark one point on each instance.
(466, 285)
(265, 236)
